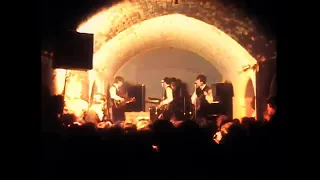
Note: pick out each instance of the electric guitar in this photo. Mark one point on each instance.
(208, 97)
(118, 104)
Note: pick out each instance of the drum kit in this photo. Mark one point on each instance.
(155, 110)
(94, 112)
(97, 111)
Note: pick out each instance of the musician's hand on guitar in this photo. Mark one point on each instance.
(122, 99)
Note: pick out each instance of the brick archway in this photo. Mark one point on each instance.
(220, 33)
(204, 39)
(121, 15)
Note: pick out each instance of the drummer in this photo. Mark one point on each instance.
(98, 105)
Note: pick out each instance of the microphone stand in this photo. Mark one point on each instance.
(163, 91)
(184, 100)
(184, 105)
(195, 106)
(106, 112)
(66, 78)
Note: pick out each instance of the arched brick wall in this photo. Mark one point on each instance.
(222, 35)
(234, 22)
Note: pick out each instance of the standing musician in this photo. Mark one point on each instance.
(168, 96)
(175, 86)
(181, 100)
(117, 96)
(201, 98)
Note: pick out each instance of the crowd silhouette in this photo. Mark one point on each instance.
(171, 146)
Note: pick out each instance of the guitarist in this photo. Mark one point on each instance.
(165, 104)
(200, 98)
(116, 95)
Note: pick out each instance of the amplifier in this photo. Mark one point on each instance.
(137, 91)
(135, 117)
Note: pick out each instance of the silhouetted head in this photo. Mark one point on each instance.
(166, 82)
(173, 83)
(271, 106)
(200, 80)
(119, 81)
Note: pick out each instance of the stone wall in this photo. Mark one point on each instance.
(227, 18)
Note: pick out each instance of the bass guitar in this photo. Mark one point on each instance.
(207, 96)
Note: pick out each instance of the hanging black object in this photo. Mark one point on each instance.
(72, 50)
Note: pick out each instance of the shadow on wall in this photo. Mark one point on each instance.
(151, 67)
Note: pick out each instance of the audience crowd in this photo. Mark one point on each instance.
(178, 146)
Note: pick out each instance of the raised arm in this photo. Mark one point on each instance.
(169, 98)
(194, 98)
(209, 96)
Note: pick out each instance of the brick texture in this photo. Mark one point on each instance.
(227, 18)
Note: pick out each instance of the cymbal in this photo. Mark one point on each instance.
(154, 99)
(153, 102)
(101, 94)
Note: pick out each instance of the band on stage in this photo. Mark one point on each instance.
(175, 99)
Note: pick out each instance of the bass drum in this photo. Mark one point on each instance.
(95, 114)
(154, 113)
(159, 113)
(92, 117)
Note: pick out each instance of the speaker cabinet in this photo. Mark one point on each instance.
(224, 93)
(137, 91)
(73, 50)
(224, 90)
